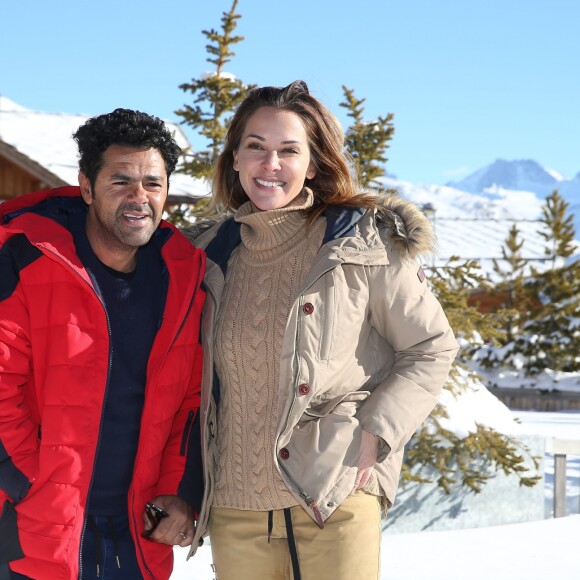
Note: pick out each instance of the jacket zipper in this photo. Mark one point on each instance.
(205, 429)
(185, 317)
(99, 436)
(309, 501)
(82, 539)
(186, 432)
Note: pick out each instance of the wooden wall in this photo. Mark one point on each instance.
(538, 400)
(14, 181)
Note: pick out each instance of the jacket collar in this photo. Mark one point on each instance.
(340, 223)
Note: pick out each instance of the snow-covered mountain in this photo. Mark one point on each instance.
(472, 217)
(522, 175)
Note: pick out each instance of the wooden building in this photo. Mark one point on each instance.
(19, 174)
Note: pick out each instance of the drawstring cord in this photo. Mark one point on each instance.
(291, 540)
(92, 523)
(115, 539)
(292, 543)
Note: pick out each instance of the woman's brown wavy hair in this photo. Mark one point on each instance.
(333, 183)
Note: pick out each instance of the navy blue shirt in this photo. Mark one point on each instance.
(134, 303)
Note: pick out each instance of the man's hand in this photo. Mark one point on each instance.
(369, 450)
(178, 527)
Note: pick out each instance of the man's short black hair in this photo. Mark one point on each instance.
(123, 127)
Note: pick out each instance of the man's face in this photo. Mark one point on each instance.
(126, 204)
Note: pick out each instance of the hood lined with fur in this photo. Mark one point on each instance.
(405, 225)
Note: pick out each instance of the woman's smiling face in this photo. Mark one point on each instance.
(273, 159)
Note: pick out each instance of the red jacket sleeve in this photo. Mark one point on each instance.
(19, 440)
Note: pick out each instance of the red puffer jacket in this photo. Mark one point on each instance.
(54, 357)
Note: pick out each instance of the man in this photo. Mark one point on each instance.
(100, 365)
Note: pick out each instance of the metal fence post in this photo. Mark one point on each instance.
(559, 485)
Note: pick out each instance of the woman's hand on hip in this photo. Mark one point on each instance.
(369, 450)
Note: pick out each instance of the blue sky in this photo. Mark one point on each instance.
(468, 81)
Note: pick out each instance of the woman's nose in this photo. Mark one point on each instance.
(271, 161)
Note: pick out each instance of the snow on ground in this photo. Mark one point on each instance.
(547, 380)
(542, 550)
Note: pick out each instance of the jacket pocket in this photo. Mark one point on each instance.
(328, 321)
(10, 548)
(325, 408)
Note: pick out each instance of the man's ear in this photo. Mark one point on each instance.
(86, 190)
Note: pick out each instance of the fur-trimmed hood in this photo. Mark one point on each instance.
(399, 221)
(407, 226)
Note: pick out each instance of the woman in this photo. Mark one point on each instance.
(323, 348)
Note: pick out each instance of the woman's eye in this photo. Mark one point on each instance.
(256, 146)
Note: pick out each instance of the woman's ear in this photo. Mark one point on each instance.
(236, 165)
(311, 173)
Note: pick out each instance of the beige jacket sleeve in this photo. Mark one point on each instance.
(407, 315)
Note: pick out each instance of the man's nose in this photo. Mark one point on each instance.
(139, 193)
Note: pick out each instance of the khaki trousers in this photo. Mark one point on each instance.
(347, 548)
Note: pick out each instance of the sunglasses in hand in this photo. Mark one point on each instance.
(155, 514)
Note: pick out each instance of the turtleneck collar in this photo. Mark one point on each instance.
(274, 231)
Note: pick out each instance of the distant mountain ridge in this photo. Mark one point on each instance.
(523, 175)
(472, 217)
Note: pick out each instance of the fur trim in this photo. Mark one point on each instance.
(408, 227)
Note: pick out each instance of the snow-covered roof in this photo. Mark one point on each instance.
(46, 138)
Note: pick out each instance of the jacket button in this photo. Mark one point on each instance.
(284, 453)
(308, 308)
(304, 389)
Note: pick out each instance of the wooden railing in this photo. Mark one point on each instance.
(561, 448)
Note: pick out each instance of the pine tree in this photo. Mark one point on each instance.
(437, 453)
(551, 335)
(510, 302)
(215, 95)
(510, 272)
(367, 141)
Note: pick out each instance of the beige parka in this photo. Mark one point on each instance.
(366, 347)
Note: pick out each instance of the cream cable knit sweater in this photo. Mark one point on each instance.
(263, 279)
